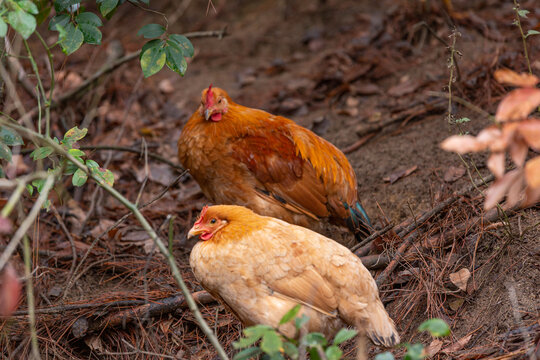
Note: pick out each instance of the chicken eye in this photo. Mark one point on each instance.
(213, 221)
(219, 101)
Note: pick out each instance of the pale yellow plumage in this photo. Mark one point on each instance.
(260, 267)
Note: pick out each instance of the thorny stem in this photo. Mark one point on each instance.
(147, 227)
(30, 298)
(523, 37)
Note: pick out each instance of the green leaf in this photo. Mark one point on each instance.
(301, 321)
(151, 44)
(79, 178)
(384, 356)
(314, 339)
(38, 183)
(150, 31)
(71, 40)
(10, 137)
(104, 176)
(532, 32)
(61, 5)
(184, 43)
(257, 330)
(30, 189)
(436, 327)
(76, 152)
(91, 34)
(523, 13)
(75, 134)
(271, 342)
(290, 350)
(5, 152)
(88, 18)
(44, 11)
(344, 335)
(333, 353)
(3, 28)
(314, 354)
(71, 167)
(28, 6)
(245, 342)
(22, 22)
(152, 60)
(291, 314)
(107, 6)
(175, 58)
(414, 352)
(41, 153)
(247, 354)
(62, 20)
(92, 164)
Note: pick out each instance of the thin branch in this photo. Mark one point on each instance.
(25, 225)
(30, 298)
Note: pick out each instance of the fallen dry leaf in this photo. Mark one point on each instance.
(103, 225)
(433, 348)
(460, 278)
(94, 343)
(456, 304)
(166, 86)
(518, 151)
(532, 172)
(509, 77)
(10, 291)
(404, 88)
(453, 173)
(532, 197)
(518, 104)
(396, 175)
(458, 345)
(5, 225)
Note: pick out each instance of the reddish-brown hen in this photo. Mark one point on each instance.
(268, 163)
(260, 267)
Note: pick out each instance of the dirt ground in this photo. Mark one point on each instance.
(372, 78)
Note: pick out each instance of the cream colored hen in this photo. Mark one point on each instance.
(260, 267)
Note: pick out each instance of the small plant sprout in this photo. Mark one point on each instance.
(275, 346)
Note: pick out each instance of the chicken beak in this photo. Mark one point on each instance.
(207, 114)
(195, 231)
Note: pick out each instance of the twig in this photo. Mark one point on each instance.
(452, 66)
(372, 237)
(517, 22)
(133, 150)
(357, 144)
(30, 298)
(144, 223)
(462, 102)
(27, 222)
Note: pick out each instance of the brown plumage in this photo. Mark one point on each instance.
(261, 267)
(248, 157)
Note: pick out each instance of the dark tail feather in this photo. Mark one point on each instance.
(358, 221)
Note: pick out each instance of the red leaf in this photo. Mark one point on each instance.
(509, 77)
(518, 104)
(518, 151)
(530, 130)
(495, 164)
(532, 172)
(462, 144)
(10, 291)
(498, 189)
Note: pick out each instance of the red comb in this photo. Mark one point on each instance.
(201, 216)
(209, 96)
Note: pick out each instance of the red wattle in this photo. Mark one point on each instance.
(205, 236)
(216, 117)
